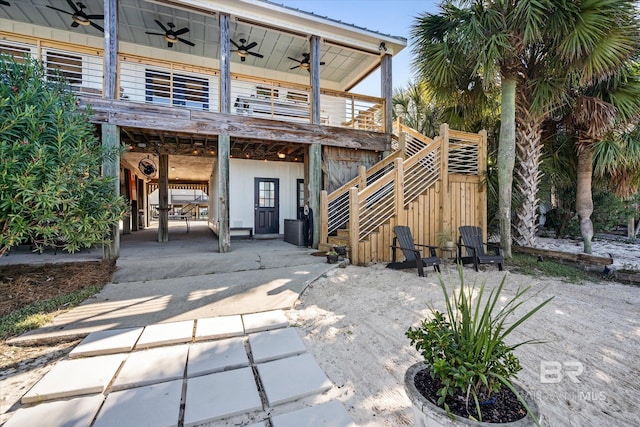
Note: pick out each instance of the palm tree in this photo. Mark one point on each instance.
(491, 37)
(415, 105)
(597, 110)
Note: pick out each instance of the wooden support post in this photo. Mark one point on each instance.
(482, 170)
(354, 225)
(402, 144)
(399, 190)
(111, 167)
(445, 202)
(362, 177)
(110, 60)
(224, 234)
(315, 185)
(224, 140)
(314, 77)
(386, 91)
(163, 198)
(324, 217)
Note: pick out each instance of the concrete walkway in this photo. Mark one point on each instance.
(186, 336)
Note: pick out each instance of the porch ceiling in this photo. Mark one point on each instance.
(192, 156)
(349, 53)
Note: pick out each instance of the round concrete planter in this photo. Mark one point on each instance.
(428, 414)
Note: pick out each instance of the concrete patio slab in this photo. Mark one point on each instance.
(152, 366)
(216, 396)
(330, 414)
(292, 378)
(215, 356)
(107, 342)
(264, 321)
(166, 334)
(155, 405)
(75, 378)
(276, 344)
(78, 412)
(219, 327)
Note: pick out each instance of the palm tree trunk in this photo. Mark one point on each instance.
(584, 200)
(529, 150)
(506, 160)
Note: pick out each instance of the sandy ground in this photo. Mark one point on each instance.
(587, 373)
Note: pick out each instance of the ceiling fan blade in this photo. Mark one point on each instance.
(169, 44)
(251, 45)
(96, 26)
(293, 68)
(256, 54)
(322, 63)
(181, 32)
(294, 59)
(73, 6)
(161, 25)
(155, 34)
(59, 10)
(234, 43)
(95, 16)
(4, 3)
(186, 42)
(74, 24)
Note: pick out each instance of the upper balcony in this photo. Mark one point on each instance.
(169, 54)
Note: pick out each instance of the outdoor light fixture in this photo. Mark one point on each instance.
(282, 155)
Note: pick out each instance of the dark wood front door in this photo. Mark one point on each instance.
(266, 206)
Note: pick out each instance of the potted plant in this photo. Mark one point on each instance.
(445, 238)
(332, 257)
(467, 374)
(341, 250)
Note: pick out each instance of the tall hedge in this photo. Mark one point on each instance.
(52, 193)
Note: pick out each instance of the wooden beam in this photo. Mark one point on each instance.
(566, 256)
(163, 198)
(354, 226)
(445, 199)
(315, 185)
(111, 168)
(170, 119)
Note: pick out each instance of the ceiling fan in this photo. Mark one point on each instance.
(170, 35)
(148, 167)
(244, 49)
(79, 16)
(305, 64)
(4, 3)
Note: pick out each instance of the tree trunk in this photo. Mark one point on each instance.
(584, 200)
(529, 150)
(506, 161)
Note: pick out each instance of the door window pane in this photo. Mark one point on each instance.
(266, 194)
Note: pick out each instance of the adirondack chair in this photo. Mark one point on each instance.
(412, 255)
(471, 239)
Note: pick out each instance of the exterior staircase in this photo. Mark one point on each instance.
(427, 184)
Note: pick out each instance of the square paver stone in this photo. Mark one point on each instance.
(215, 356)
(258, 322)
(107, 342)
(276, 344)
(224, 394)
(152, 366)
(165, 334)
(77, 412)
(292, 378)
(219, 327)
(330, 414)
(75, 377)
(155, 405)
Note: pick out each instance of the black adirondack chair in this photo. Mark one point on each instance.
(471, 240)
(413, 257)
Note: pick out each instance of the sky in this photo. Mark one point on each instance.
(394, 17)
